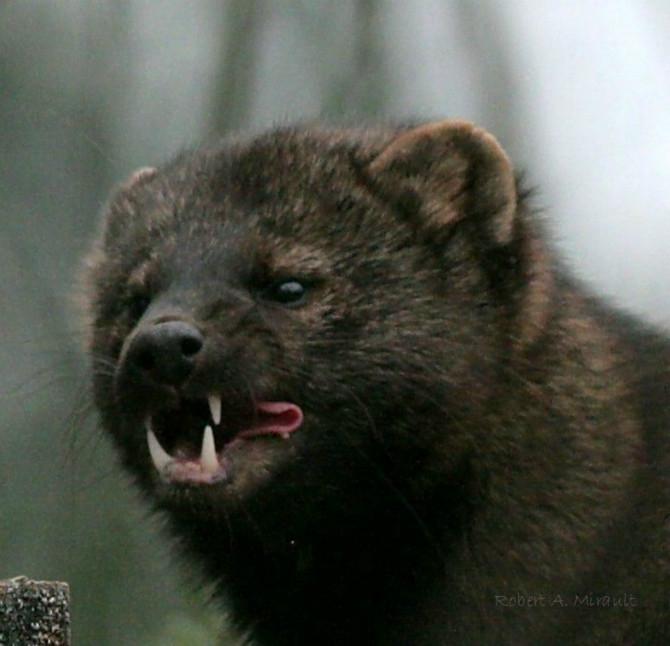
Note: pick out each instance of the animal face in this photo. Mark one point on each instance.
(276, 313)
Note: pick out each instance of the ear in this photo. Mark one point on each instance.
(124, 202)
(138, 177)
(452, 170)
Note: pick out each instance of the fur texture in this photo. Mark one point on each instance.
(484, 455)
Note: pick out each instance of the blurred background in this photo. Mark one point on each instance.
(578, 92)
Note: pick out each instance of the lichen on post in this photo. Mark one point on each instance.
(34, 612)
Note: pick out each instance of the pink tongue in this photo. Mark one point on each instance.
(275, 418)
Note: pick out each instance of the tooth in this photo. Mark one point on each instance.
(161, 458)
(208, 459)
(215, 408)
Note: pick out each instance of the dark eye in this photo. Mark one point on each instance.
(286, 292)
(138, 305)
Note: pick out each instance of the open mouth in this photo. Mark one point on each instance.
(189, 443)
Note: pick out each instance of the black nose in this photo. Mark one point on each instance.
(166, 352)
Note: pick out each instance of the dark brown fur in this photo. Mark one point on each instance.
(480, 434)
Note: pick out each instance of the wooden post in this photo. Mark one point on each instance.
(34, 612)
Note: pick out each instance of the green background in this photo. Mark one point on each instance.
(91, 90)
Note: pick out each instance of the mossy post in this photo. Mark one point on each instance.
(34, 612)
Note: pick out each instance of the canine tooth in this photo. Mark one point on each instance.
(208, 459)
(215, 408)
(160, 457)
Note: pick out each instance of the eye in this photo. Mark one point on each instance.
(286, 292)
(138, 305)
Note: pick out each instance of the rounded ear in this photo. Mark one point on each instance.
(122, 204)
(138, 177)
(454, 170)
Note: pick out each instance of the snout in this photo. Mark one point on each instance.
(164, 353)
(195, 414)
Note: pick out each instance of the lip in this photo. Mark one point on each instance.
(208, 462)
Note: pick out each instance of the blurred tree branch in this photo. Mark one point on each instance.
(362, 90)
(484, 34)
(232, 94)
